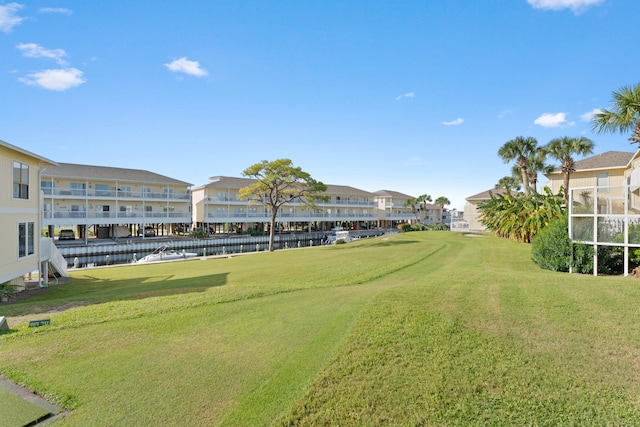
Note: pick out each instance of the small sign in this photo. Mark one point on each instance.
(42, 322)
(3, 324)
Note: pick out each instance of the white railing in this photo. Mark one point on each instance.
(605, 216)
(113, 194)
(114, 215)
(49, 252)
(292, 216)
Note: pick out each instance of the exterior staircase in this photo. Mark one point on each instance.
(50, 254)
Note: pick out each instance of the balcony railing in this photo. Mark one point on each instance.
(290, 216)
(113, 194)
(235, 201)
(114, 215)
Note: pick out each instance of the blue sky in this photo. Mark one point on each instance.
(411, 96)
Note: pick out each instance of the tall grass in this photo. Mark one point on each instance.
(419, 329)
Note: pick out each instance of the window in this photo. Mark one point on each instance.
(77, 211)
(103, 190)
(125, 191)
(602, 181)
(77, 188)
(148, 208)
(146, 191)
(26, 239)
(167, 193)
(20, 180)
(47, 187)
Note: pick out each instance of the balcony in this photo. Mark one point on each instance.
(75, 215)
(64, 193)
(289, 216)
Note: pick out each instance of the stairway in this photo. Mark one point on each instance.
(50, 253)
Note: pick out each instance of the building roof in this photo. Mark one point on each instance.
(233, 182)
(485, 194)
(607, 160)
(69, 170)
(392, 194)
(26, 153)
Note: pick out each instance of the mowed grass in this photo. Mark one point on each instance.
(414, 329)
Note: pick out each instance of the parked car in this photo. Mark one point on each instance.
(67, 234)
(148, 232)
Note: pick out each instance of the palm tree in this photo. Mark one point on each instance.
(441, 201)
(519, 149)
(563, 149)
(413, 204)
(623, 115)
(422, 202)
(537, 164)
(509, 183)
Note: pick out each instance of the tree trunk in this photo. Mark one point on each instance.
(525, 180)
(566, 187)
(272, 229)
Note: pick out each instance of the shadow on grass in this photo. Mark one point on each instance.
(383, 243)
(92, 290)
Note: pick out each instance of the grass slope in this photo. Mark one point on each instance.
(417, 329)
(14, 411)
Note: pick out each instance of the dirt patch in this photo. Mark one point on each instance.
(32, 288)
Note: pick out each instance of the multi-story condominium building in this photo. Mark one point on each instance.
(392, 210)
(20, 216)
(113, 202)
(612, 169)
(606, 169)
(216, 207)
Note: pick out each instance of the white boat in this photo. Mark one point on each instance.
(166, 253)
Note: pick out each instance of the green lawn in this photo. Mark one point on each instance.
(15, 411)
(428, 328)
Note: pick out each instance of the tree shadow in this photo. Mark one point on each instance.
(89, 290)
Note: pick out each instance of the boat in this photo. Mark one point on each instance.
(165, 253)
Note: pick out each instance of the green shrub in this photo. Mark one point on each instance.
(413, 227)
(551, 250)
(438, 227)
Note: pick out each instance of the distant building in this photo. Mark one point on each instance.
(102, 201)
(391, 208)
(218, 209)
(471, 214)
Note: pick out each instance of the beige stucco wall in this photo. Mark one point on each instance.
(471, 216)
(14, 211)
(586, 179)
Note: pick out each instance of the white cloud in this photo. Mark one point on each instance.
(455, 122)
(505, 113)
(409, 95)
(413, 161)
(183, 65)
(32, 50)
(576, 6)
(60, 10)
(9, 17)
(586, 117)
(549, 120)
(60, 79)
